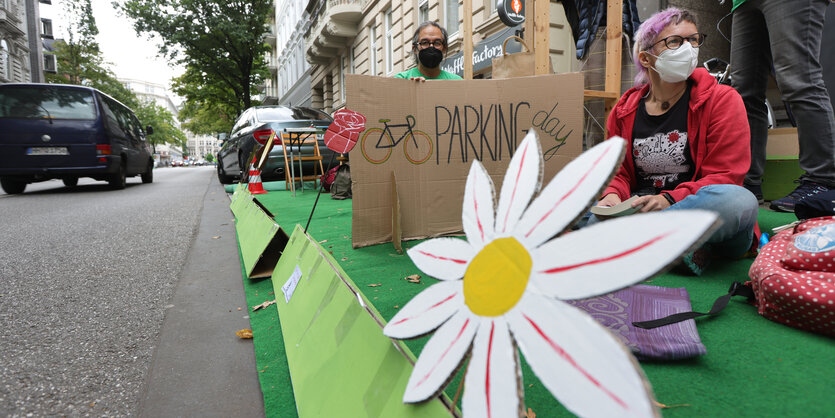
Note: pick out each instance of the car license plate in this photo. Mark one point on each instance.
(47, 151)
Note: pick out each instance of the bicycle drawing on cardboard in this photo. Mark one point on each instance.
(417, 146)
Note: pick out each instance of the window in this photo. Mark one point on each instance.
(46, 28)
(423, 11)
(351, 59)
(4, 60)
(451, 14)
(149, 89)
(342, 67)
(372, 38)
(389, 46)
(49, 64)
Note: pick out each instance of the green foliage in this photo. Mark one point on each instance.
(220, 43)
(209, 157)
(163, 124)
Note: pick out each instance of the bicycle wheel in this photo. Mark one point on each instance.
(368, 145)
(417, 147)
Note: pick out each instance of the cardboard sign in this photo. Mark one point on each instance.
(429, 133)
(344, 131)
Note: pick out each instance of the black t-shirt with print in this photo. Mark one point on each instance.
(660, 148)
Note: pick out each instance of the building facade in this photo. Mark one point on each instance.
(14, 42)
(153, 92)
(292, 75)
(199, 146)
(374, 37)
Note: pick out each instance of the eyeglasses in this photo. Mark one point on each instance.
(437, 43)
(675, 41)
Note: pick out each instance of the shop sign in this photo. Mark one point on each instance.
(511, 12)
(483, 53)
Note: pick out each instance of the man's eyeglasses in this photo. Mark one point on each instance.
(437, 43)
(675, 41)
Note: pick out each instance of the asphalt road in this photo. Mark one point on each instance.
(123, 302)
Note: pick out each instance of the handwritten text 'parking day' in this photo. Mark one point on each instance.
(492, 132)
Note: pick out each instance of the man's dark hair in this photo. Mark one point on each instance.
(424, 25)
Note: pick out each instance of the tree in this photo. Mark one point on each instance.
(163, 124)
(209, 157)
(220, 43)
(79, 57)
(205, 110)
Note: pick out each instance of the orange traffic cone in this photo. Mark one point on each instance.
(254, 185)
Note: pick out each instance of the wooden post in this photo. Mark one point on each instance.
(542, 36)
(467, 34)
(614, 42)
(529, 19)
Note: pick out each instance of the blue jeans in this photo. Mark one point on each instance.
(789, 32)
(737, 209)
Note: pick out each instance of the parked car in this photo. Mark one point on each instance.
(254, 127)
(50, 131)
(177, 163)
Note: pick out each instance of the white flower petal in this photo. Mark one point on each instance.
(569, 193)
(614, 254)
(441, 356)
(579, 361)
(426, 311)
(521, 181)
(490, 388)
(443, 258)
(479, 207)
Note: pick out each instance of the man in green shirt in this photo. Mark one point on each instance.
(429, 45)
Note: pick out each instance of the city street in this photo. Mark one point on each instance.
(123, 302)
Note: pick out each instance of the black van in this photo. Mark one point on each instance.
(50, 131)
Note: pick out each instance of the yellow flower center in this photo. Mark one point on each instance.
(496, 278)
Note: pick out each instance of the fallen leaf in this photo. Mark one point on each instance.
(323, 241)
(530, 413)
(244, 334)
(397, 306)
(263, 305)
(375, 284)
(344, 258)
(661, 405)
(415, 278)
(216, 237)
(239, 308)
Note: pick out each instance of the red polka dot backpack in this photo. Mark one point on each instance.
(793, 277)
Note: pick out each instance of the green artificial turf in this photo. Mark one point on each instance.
(753, 366)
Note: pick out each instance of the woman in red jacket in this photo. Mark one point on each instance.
(688, 141)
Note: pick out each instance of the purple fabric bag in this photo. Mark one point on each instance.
(616, 311)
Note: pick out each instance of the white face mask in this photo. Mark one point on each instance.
(675, 65)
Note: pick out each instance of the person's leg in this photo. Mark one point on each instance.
(750, 67)
(737, 209)
(795, 29)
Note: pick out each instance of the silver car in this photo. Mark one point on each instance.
(254, 127)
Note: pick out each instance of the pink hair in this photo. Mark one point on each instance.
(650, 29)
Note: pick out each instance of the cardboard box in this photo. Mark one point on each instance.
(781, 165)
(453, 123)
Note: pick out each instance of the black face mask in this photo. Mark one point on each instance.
(430, 57)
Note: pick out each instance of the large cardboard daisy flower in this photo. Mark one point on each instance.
(501, 288)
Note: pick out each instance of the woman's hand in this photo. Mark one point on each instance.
(609, 200)
(651, 203)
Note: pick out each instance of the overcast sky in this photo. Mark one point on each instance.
(131, 56)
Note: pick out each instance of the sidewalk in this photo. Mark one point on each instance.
(200, 367)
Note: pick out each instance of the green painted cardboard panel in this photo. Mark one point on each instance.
(340, 362)
(260, 238)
